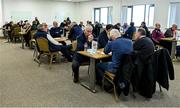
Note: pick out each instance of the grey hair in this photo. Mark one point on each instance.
(89, 27)
(115, 33)
(41, 26)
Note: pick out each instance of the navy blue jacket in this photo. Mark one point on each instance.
(118, 47)
(81, 40)
(129, 32)
(43, 34)
(56, 32)
(103, 39)
(75, 32)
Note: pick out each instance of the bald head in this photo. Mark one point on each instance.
(158, 26)
(55, 23)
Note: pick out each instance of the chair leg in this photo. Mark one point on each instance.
(103, 83)
(160, 88)
(115, 93)
(51, 59)
(39, 59)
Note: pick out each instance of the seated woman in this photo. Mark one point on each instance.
(119, 46)
(157, 34)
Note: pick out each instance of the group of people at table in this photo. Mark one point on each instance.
(110, 39)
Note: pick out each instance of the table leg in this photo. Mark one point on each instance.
(22, 39)
(92, 76)
(173, 49)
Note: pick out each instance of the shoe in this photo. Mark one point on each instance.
(75, 80)
(108, 89)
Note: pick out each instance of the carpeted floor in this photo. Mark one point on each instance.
(23, 83)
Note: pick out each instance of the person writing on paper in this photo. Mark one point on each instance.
(118, 46)
(83, 41)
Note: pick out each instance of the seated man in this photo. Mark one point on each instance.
(103, 37)
(55, 31)
(119, 46)
(143, 45)
(75, 31)
(143, 25)
(157, 34)
(53, 44)
(142, 76)
(82, 41)
(171, 32)
(130, 31)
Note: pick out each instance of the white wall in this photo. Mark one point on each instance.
(1, 19)
(85, 10)
(161, 9)
(45, 10)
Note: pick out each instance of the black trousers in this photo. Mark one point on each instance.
(77, 61)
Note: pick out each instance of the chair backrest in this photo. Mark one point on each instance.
(133, 37)
(16, 31)
(74, 45)
(43, 45)
(33, 32)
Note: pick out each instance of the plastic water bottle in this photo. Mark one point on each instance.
(94, 46)
(85, 47)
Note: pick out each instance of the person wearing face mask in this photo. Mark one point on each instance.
(103, 37)
(53, 44)
(84, 40)
(118, 46)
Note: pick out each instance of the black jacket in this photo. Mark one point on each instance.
(158, 67)
(163, 67)
(143, 77)
(124, 73)
(103, 39)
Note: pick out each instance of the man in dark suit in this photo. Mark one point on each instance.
(83, 42)
(103, 37)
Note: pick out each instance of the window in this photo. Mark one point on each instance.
(103, 15)
(129, 14)
(174, 14)
(139, 13)
(97, 15)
